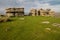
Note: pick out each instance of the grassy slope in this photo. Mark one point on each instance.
(30, 29)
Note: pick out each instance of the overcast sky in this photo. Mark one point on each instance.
(27, 4)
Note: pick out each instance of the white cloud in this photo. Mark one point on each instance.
(27, 4)
(56, 8)
(21, 0)
(39, 5)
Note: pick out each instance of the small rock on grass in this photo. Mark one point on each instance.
(48, 29)
(21, 18)
(46, 22)
(56, 24)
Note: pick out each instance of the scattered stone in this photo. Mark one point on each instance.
(48, 29)
(46, 22)
(4, 19)
(56, 24)
(21, 18)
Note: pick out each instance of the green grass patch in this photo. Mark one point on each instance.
(30, 28)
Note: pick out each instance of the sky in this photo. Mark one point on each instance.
(28, 4)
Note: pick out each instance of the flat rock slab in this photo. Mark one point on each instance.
(47, 28)
(46, 22)
(21, 18)
(56, 24)
(4, 19)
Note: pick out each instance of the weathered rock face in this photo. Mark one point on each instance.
(33, 12)
(41, 12)
(15, 11)
(50, 12)
(4, 19)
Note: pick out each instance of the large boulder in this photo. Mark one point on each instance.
(4, 19)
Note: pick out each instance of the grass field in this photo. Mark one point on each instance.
(31, 28)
